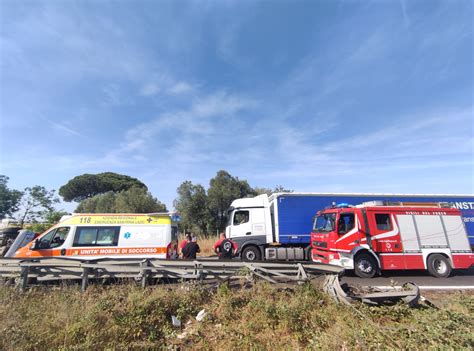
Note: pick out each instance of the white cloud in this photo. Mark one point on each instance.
(180, 88)
(150, 89)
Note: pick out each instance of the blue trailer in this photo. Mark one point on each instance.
(279, 226)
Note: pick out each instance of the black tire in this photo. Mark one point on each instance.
(307, 253)
(439, 266)
(251, 253)
(365, 265)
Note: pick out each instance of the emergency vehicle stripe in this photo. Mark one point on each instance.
(97, 251)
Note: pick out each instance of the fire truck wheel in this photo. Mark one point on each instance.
(439, 266)
(365, 266)
(251, 253)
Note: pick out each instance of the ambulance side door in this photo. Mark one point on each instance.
(52, 243)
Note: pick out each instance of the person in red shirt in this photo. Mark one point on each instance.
(187, 239)
(225, 248)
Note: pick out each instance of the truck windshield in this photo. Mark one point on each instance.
(325, 223)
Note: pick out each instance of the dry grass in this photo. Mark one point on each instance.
(206, 245)
(263, 317)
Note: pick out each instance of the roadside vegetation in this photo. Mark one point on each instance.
(260, 317)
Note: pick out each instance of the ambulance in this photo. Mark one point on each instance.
(95, 236)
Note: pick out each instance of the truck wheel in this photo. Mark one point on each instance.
(365, 266)
(307, 253)
(251, 253)
(439, 266)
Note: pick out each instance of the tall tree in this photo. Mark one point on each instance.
(36, 203)
(88, 185)
(137, 200)
(133, 200)
(192, 207)
(101, 203)
(9, 199)
(223, 189)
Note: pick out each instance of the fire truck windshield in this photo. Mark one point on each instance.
(325, 223)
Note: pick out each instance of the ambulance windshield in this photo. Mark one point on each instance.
(325, 223)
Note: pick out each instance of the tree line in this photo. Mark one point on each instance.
(202, 211)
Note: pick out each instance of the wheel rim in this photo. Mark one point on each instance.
(440, 266)
(250, 255)
(365, 266)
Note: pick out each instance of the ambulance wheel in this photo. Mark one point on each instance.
(365, 265)
(439, 266)
(251, 253)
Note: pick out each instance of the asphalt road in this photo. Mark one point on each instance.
(459, 280)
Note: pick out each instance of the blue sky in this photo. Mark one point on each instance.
(322, 96)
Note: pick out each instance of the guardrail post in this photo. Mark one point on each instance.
(198, 271)
(85, 279)
(145, 273)
(24, 278)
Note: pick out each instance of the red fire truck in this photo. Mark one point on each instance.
(379, 236)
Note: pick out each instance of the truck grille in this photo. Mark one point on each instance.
(320, 244)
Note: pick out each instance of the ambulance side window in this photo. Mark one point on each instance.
(383, 221)
(59, 237)
(96, 236)
(45, 240)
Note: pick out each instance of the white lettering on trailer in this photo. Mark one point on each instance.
(464, 205)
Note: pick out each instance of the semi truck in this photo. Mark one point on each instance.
(278, 227)
(377, 235)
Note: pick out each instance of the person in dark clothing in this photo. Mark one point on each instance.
(225, 248)
(190, 250)
(182, 244)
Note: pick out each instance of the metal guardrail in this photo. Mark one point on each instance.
(61, 269)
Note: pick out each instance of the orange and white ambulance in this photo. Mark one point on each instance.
(94, 236)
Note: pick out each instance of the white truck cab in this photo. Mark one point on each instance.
(250, 225)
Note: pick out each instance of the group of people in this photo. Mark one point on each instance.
(224, 247)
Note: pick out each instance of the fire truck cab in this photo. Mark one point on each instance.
(379, 236)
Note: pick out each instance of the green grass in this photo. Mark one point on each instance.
(263, 317)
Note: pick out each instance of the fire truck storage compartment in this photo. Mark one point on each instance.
(284, 253)
(428, 231)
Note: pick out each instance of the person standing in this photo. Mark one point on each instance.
(191, 249)
(225, 248)
(182, 244)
